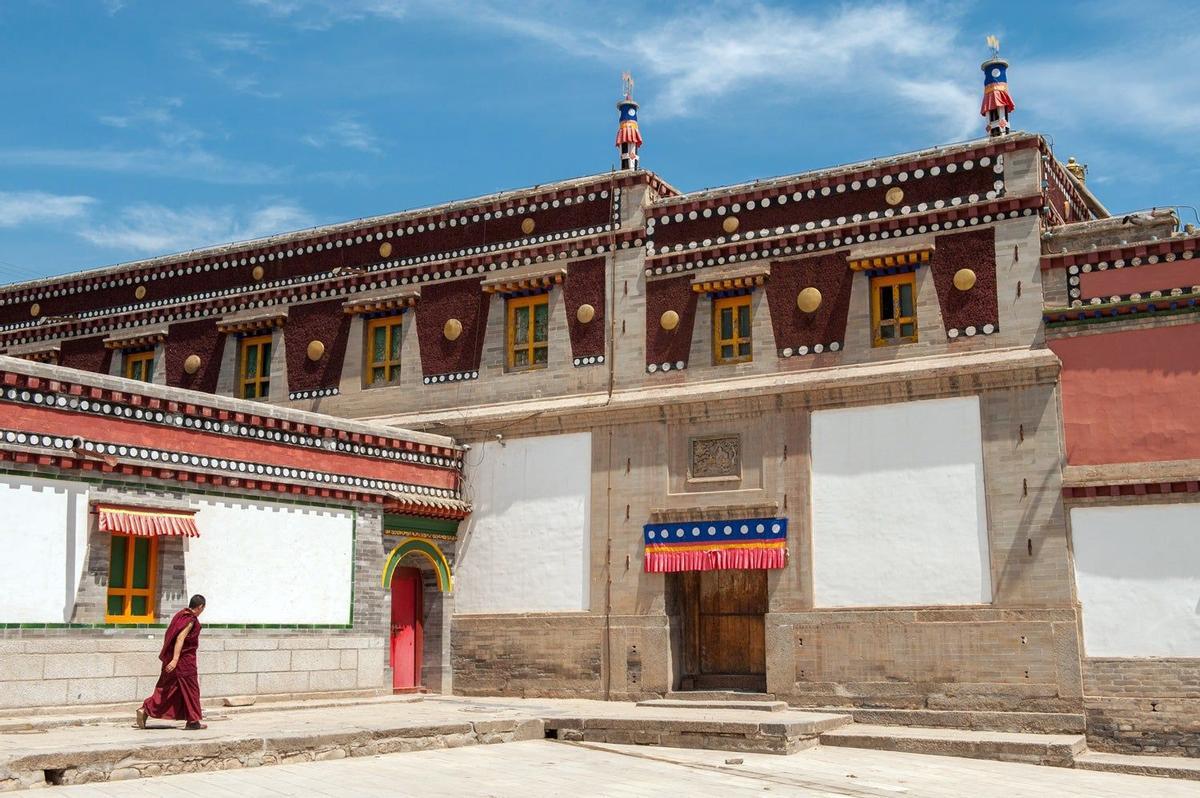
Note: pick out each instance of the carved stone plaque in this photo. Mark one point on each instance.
(715, 457)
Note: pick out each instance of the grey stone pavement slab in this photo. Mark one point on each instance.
(546, 768)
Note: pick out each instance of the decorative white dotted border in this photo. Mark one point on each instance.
(397, 231)
(816, 349)
(590, 360)
(678, 365)
(314, 393)
(456, 376)
(238, 468)
(1074, 272)
(969, 331)
(217, 427)
(799, 196)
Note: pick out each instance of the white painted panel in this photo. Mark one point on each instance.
(258, 562)
(43, 531)
(898, 505)
(1137, 574)
(526, 546)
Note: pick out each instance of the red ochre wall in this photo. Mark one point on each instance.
(1132, 396)
(1140, 279)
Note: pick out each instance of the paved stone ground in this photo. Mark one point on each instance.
(545, 768)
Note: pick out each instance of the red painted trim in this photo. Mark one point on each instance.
(1135, 489)
(1139, 250)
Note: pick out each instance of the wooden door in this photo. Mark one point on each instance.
(724, 629)
(407, 632)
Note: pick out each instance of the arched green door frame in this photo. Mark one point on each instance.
(427, 550)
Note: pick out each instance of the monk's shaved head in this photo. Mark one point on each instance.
(196, 602)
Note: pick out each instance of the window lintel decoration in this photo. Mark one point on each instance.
(715, 457)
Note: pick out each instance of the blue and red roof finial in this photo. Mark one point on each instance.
(629, 138)
(997, 102)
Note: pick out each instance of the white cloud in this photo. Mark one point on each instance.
(19, 208)
(346, 133)
(189, 164)
(151, 228)
(158, 118)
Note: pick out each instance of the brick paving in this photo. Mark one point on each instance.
(545, 768)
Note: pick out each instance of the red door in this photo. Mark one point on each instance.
(407, 614)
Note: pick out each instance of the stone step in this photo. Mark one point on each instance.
(725, 695)
(1175, 767)
(753, 706)
(1059, 750)
(976, 720)
(720, 729)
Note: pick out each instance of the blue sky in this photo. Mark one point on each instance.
(136, 127)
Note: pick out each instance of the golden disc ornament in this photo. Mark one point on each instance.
(730, 225)
(808, 300)
(527, 226)
(585, 313)
(452, 329)
(35, 309)
(669, 320)
(191, 364)
(894, 195)
(316, 350)
(139, 292)
(385, 249)
(257, 272)
(964, 279)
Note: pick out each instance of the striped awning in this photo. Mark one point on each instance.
(146, 522)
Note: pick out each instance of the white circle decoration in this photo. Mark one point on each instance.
(995, 72)
(759, 529)
(744, 530)
(775, 527)
(678, 533)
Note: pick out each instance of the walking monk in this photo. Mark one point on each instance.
(177, 694)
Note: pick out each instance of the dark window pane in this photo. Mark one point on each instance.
(264, 389)
(540, 354)
(887, 331)
(116, 605)
(116, 563)
(378, 344)
(394, 337)
(726, 352)
(521, 358)
(541, 322)
(521, 325)
(906, 299)
(248, 391)
(141, 563)
(744, 350)
(266, 359)
(744, 322)
(377, 376)
(908, 329)
(251, 361)
(726, 323)
(138, 605)
(887, 310)
(148, 370)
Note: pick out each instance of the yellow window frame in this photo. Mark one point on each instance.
(897, 321)
(127, 592)
(140, 366)
(531, 346)
(740, 347)
(391, 326)
(256, 384)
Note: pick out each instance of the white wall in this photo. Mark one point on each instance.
(260, 562)
(898, 505)
(43, 540)
(1137, 573)
(526, 546)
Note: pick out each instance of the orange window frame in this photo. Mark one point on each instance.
(390, 366)
(740, 347)
(893, 285)
(255, 384)
(532, 346)
(139, 366)
(127, 592)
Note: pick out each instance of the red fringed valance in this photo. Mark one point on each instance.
(147, 523)
(996, 98)
(662, 562)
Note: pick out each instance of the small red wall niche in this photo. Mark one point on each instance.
(1131, 396)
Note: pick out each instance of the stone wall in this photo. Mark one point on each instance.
(528, 655)
(1143, 706)
(75, 667)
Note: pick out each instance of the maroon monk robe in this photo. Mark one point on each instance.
(177, 694)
